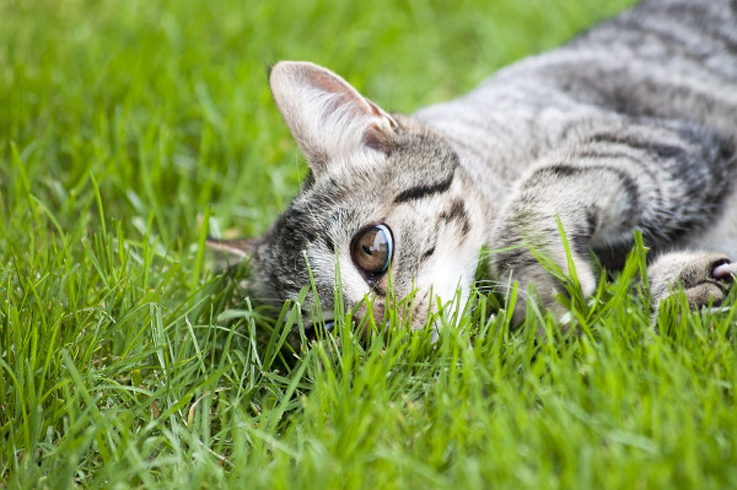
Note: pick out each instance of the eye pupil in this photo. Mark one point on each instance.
(372, 250)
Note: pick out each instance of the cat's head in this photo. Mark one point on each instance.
(386, 200)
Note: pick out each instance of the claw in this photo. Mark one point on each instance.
(725, 271)
(715, 310)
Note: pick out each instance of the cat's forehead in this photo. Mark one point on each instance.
(351, 195)
(417, 159)
(423, 155)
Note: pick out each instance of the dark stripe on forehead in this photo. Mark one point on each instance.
(423, 191)
(458, 213)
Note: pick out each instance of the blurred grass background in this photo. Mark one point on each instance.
(126, 362)
(167, 102)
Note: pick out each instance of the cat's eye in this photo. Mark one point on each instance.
(372, 249)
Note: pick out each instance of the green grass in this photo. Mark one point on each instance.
(126, 361)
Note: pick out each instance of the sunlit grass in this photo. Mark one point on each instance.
(126, 361)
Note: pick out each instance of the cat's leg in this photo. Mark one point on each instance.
(589, 204)
(705, 277)
(666, 181)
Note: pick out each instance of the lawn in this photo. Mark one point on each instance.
(128, 129)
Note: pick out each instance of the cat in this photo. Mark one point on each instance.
(630, 126)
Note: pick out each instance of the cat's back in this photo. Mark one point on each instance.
(662, 58)
(665, 59)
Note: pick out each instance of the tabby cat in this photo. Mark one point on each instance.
(631, 126)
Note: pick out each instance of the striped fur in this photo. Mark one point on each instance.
(632, 125)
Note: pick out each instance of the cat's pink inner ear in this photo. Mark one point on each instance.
(378, 139)
(331, 83)
(327, 116)
(345, 94)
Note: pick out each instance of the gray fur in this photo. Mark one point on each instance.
(632, 125)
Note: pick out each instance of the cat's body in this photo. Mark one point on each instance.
(632, 125)
(663, 63)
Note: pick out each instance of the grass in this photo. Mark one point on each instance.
(126, 361)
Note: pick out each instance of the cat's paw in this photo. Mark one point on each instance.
(705, 277)
(543, 282)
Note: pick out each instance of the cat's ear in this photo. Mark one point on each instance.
(327, 116)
